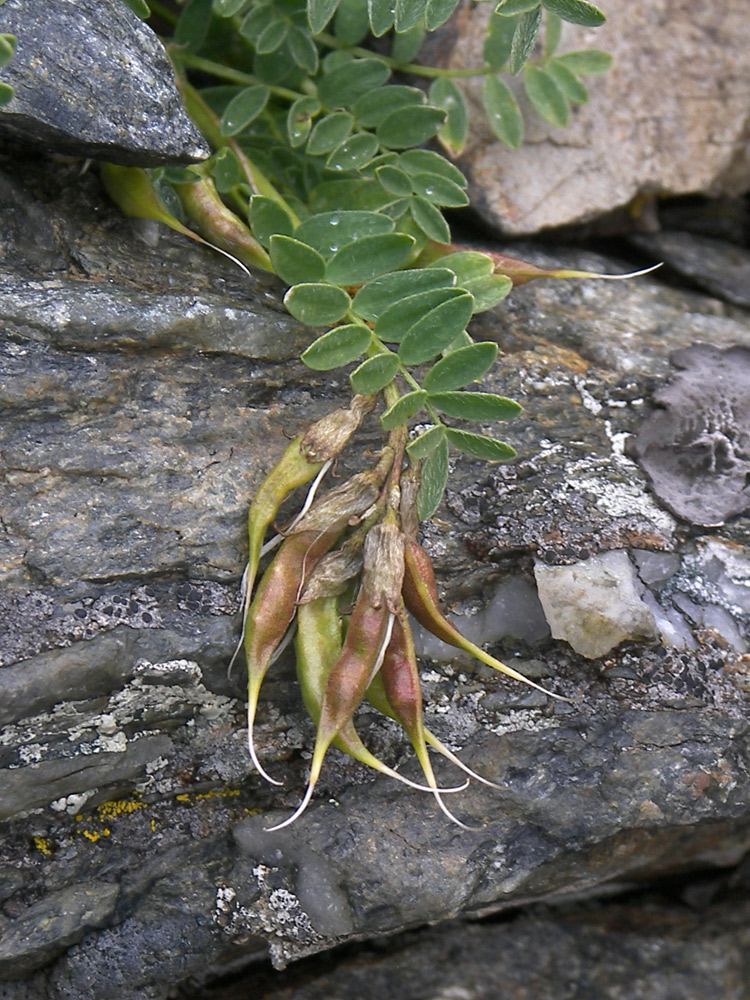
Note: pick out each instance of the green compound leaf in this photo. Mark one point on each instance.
(360, 193)
(140, 8)
(329, 132)
(406, 44)
(374, 374)
(368, 258)
(586, 62)
(256, 22)
(354, 153)
(498, 40)
(327, 232)
(394, 181)
(436, 330)
(466, 265)
(267, 218)
(460, 367)
(509, 8)
(374, 298)
(272, 67)
(343, 85)
(228, 8)
(409, 126)
(380, 14)
(424, 161)
(488, 291)
(407, 13)
(226, 170)
(439, 191)
(434, 476)
(6, 94)
(302, 49)
(474, 405)
(437, 12)
(370, 109)
(445, 94)
(426, 443)
(351, 23)
(523, 39)
(576, 12)
(243, 109)
(319, 13)
(272, 37)
(295, 262)
(8, 45)
(430, 220)
(502, 111)
(299, 119)
(568, 82)
(317, 305)
(552, 33)
(395, 321)
(480, 445)
(192, 26)
(547, 98)
(339, 346)
(403, 409)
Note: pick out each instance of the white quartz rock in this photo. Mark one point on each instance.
(596, 604)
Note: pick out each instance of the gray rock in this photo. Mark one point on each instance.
(595, 604)
(695, 448)
(44, 930)
(91, 79)
(718, 267)
(131, 444)
(676, 124)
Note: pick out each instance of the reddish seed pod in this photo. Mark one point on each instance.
(421, 598)
(272, 611)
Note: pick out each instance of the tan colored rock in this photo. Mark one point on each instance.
(671, 117)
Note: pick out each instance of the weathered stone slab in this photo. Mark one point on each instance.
(91, 79)
(670, 118)
(128, 463)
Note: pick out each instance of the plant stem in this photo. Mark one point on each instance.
(415, 69)
(229, 73)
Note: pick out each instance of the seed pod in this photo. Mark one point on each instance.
(219, 224)
(332, 574)
(272, 611)
(421, 598)
(131, 189)
(327, 437)
(367, 636)
(383, 574)
(378, 699)
(403, 692)
(309, 455)
(318, 645)
(346, 501)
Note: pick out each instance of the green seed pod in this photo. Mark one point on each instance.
(318, 644)
(219, 225)
(309, 455)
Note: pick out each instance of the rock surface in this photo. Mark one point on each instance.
(671, 117)
(145, 391)
(675, 943)
(91, 79)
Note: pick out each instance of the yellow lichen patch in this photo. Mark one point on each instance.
(43, 844)
(94, 835)
(118, 807)
(213, 793)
